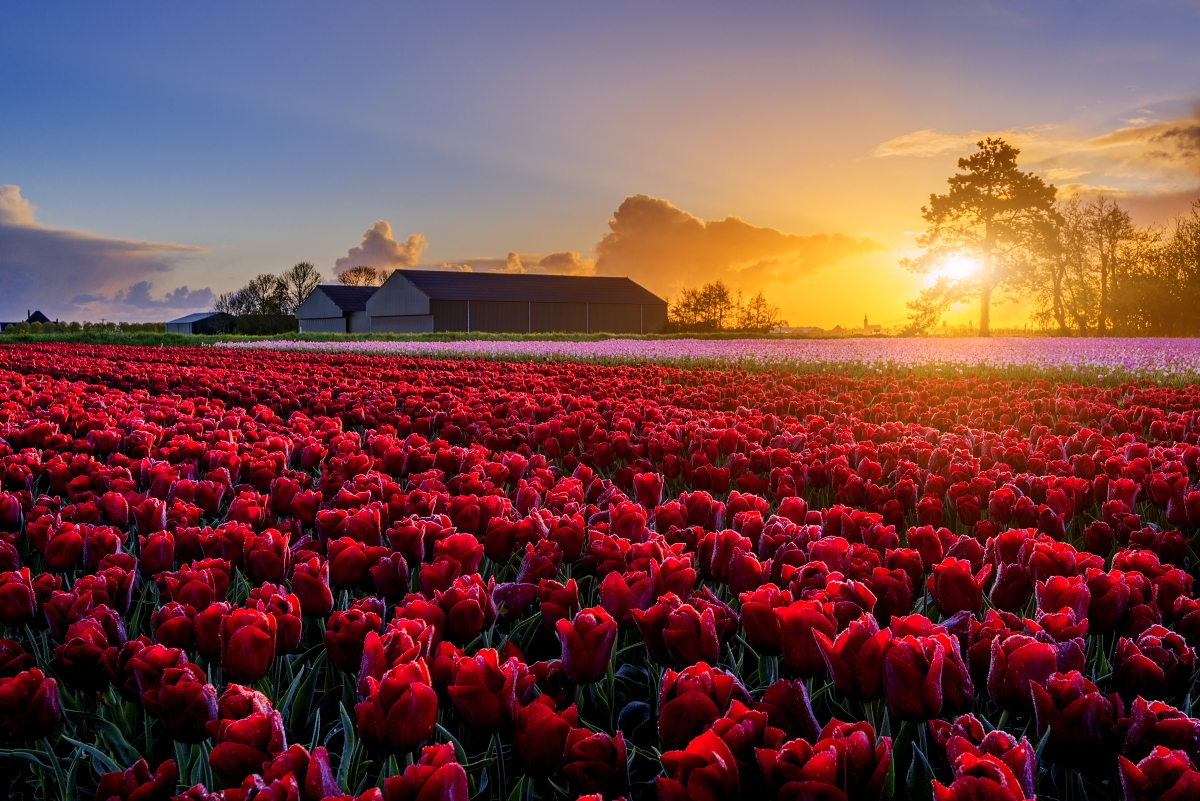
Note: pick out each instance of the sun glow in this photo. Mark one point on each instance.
(955, 268)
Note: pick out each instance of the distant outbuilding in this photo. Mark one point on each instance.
(30, 317)
(336, 308)
(210, 322)
(413, 301)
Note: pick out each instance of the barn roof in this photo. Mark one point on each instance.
(348, 298)
(447, 285)
(197, 317)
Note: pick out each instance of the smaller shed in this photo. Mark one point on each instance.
(336, 308)
(210, 322)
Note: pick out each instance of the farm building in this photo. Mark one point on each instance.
(203, 323)
(412, 301)
(336, 308)
(30, 317)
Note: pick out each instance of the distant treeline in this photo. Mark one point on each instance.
(1098, 274)
(716, 307)
(74, 327)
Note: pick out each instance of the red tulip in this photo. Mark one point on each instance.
(985, 778)
(1082, 722)
(485, 692)
(1158, 665)
(587, 644)
(138, 784)
(1016, 661)
(468, 608)
(345, 635)
(705, 769)
(399, 712)
(689, 702)
(799, 622)
(855, 659)
(182, 701)
(285, 608)
(247, 645)
(953, 587)
(14, 659)
(595, 762)
(435, 775)
(244, 746)
(540, 734)
(29, 706)
(1155, 723)
(1164, 775)
(788, 708)
(310, 583)
(18, 603)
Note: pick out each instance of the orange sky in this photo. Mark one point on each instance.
(155, 156)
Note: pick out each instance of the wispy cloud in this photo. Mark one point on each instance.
(41, 267)
(1143, 156)
(563, 262)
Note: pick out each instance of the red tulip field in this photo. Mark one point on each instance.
(236, 574)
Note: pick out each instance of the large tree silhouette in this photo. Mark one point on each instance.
(992, 213)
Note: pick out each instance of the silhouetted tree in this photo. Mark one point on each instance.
(362, 276)
(992, 211)
(715, 307)
(300, 280)
(266, 294)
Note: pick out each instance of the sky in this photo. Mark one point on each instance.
(155, 155)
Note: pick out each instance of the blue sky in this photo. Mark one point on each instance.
(266, 134)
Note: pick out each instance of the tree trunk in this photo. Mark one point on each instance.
(985, 295)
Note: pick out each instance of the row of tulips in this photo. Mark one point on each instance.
(470, 580)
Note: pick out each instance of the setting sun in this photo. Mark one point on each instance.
(956, 268)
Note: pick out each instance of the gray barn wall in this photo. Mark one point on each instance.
(318, 305)
(500, 316)
(654, 318)
(403, 324)
(449, 315)
(397, 297)
(615, 318)
(324, 325)
(358, 323)
(559, 317)
(179, 328)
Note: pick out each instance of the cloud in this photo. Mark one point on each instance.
(563, 262)
(512, 264)
(40, 267)
(14, 209)
(138, 296)
(929, 142)
(1142, 157)
(665, 247)
(379, 249)
(1175, 143)
(567, 262)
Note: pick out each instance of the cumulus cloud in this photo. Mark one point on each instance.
(380, 250)
(512, 264)
(665, 247)
(40, 267)
(566, 262)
